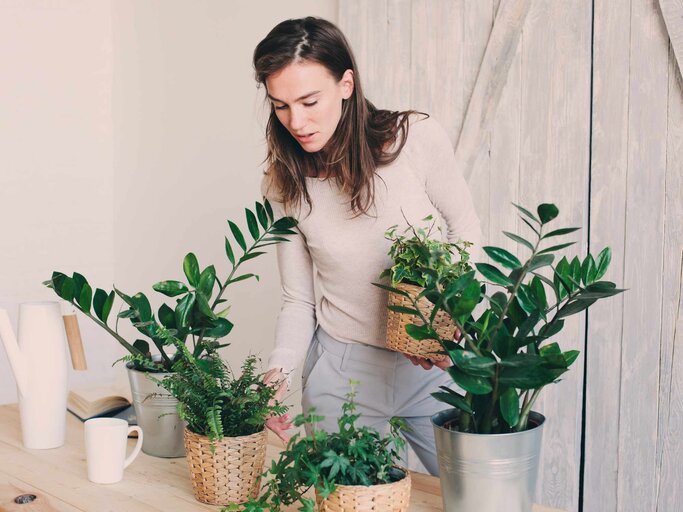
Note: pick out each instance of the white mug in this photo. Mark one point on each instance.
(105, 448)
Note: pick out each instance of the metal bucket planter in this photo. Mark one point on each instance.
(487, 473)
(157, 416)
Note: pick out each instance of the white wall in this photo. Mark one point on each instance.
(129, 133)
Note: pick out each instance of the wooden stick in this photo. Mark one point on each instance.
(73, 336)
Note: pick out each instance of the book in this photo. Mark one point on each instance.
(95, 402)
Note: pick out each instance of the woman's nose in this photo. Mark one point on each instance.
(297, 119)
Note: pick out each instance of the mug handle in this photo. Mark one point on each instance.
(137, 448)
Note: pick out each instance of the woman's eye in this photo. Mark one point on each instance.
(281, 107)
(310, 104)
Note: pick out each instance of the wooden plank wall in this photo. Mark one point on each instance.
(591, 118)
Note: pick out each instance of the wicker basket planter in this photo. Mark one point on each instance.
(397, 337)
(393, 497)
(228, 474)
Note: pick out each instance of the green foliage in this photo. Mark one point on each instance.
(505, 356)
(353, 456)
(422, 261)
(197, 313)
(214, 402)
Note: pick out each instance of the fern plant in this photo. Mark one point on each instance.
(199, 314)
(352, 456)
(212, 399)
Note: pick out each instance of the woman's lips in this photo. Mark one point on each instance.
(305, 138)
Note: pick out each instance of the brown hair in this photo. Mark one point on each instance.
(361, 140)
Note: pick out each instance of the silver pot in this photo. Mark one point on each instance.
(157, 416)
(487, 472)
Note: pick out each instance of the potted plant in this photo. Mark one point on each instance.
(420, 262)
(354, 469)
(198, 318)
(489, 440)
(225, 438)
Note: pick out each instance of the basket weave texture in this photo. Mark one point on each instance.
(397, 337)
(393, 497)
(228, 474)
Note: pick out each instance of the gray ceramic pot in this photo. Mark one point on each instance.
(487, 473)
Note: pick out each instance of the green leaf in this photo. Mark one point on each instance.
(170, 288)
(575, 275)
(497, 302)
(183, 310)
(167, 316)
(571, 308)
(203, 306)
(468, 300)
(262, 215)
(284, 223)
(538, 291)
(85, 297)
(473, 384)
(540, 260)
(252, 224)
(472, 364)
(239, 237)
(141, 304)
(98, 301)
(191, 269)
(403, 309)
(559, 232)
(392, 289)
(228, 251)
(562, 271)
(207, 279)
(509, 406)
(420, 332)
(142, 346)
(538, 233)
(503, 257)
(222, 327)
(63, 286)
(551, 329)
(570, 356)
(526, 212)
(519, 240)
(525, 371)
(79, 280)
(602, 262)
(106, 307)
(251, 255)
(452, 398)
(269, 209)
(599, 290)
(242, 278)
(525, 299)
(588, 270)
(547, 212)
(493, 274)
(556, 248)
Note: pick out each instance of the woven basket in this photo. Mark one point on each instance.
(393, 497)
(397, 337)
(229, 474)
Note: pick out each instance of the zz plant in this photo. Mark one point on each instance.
(199, 313)
(352, 456)
(421, 260)
(505, 355)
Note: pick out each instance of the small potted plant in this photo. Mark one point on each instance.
(225, 438)
(198, 318)
(420, 262)
(503, 359)
(354, 469)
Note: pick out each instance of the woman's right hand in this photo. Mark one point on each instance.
(278, 424)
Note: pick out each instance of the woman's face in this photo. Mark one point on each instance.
(308, 101)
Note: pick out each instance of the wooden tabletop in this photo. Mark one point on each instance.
(58, 478)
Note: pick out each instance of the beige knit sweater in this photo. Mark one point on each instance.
(343, 255)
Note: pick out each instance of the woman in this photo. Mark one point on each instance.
(348, 171)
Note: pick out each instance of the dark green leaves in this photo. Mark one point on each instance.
(493, 274)
(191, 269)
(547, 212)
(171, 288)
(503, 257)
(471, 383)
(509, 406)
(237, 233)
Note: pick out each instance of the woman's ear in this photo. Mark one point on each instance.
(347, 84)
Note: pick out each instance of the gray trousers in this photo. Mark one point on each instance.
(390, 385)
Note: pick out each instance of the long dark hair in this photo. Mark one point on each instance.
(363, 136)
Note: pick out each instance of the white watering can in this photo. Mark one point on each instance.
(39, 363)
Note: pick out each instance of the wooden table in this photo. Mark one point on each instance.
(58, 478)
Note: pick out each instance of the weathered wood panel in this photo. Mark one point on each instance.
(611, 52)
(670, 427)
(643, 248)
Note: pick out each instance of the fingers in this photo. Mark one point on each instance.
(420, 361)
(279, 425)
(444, 363)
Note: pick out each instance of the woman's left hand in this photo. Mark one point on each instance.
(428, 364)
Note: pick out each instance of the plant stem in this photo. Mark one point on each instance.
(524, 417)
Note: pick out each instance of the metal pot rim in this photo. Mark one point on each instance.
(537, 416)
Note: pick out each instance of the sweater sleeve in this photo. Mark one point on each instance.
(432, 154)
(296, 321)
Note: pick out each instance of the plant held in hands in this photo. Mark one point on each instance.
(505, 357)
(420, 262)
(199, 313)
(330, 462)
